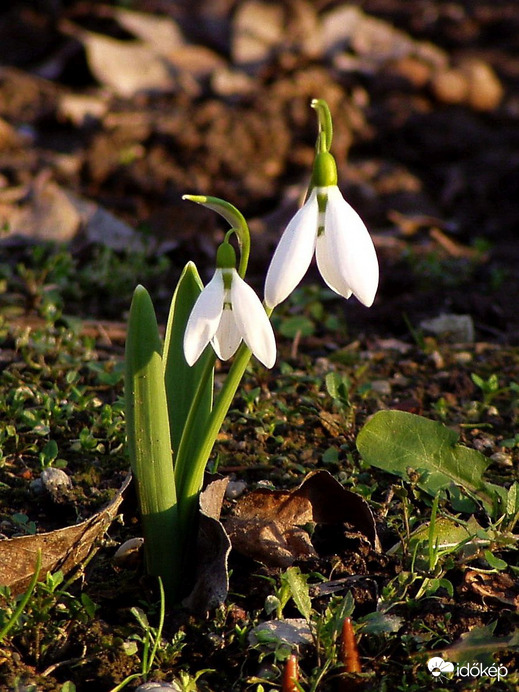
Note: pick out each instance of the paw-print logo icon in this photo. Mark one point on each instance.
(437, 666)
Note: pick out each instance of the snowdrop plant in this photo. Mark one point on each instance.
(171, 418)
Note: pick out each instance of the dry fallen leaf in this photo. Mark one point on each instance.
(44, 211)
(213, 548)
(159, 31)
(270, 525)
(125, 67)
(500, 587)
(63, 549)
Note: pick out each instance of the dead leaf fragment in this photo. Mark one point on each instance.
(498, 587)
(62, 549)
(270, 525)
(257, 29)
(44, 211)
(162, 32)
(46, 214)
(292, 631)
(213, 548)
(126, 67)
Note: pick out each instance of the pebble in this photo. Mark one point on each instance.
(55, 480)
(129, 554)
(437, 359)
(473, 83)
(382, 387)
(36, 486)
(463, 357)
(417, 72)
(484, 90)
(235, 489)
(291, 631)
(453, 328)
(450, 86)
(502, 459)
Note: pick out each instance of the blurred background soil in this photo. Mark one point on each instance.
(109, 112)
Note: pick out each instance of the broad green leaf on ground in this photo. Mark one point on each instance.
(480, 644)
(403, 444)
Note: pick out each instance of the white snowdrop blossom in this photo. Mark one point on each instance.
(345, 254)
(227, 311)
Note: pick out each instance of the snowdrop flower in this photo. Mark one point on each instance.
(330, 227)
(227, 311)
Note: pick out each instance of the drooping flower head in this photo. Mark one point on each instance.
(329, 227)
(227, 311)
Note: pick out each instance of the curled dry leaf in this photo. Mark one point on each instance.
(269, 525)
(213, 548)
(63, 549)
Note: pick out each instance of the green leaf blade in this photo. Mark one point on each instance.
(149, 443)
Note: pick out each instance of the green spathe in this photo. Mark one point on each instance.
(189, 389)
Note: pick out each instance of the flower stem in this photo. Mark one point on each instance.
(193, 476)
(183, 461)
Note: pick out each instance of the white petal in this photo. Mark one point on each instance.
(293, 253)
(345, 253)
(204, 318)
(252, 321)
(227, 337)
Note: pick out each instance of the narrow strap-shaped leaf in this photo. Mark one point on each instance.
(182, 381)
(149, 443)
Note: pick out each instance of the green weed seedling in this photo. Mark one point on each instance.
(42, 619)
(150, 641)
(490, 387)
(24, 526)
(325, 626)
